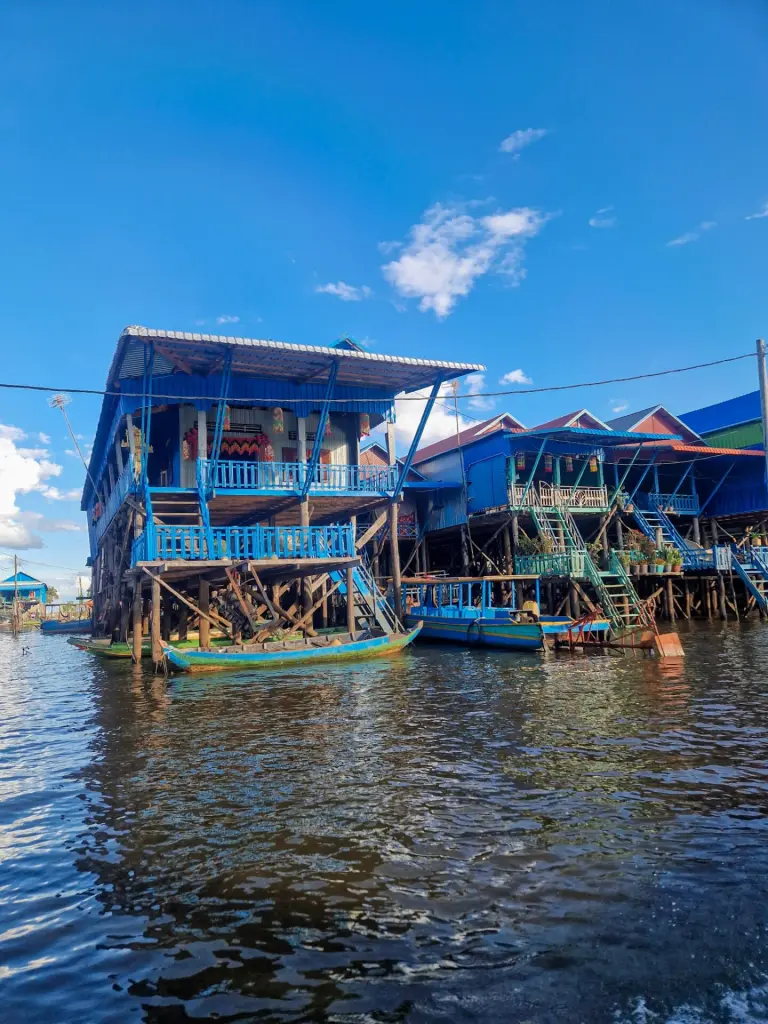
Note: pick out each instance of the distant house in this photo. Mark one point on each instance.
(26, 586)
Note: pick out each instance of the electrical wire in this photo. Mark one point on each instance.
(401, 398)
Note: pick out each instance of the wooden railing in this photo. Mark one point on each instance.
(230, 474)
(193, 543)
(550, 496)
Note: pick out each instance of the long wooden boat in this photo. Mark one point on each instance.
(66, 625)
(274, 654)
(461, 610)
(108, 648)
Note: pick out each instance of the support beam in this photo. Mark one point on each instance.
(137, 622)
(372, 530)
(351, 600)
(394, 544)
(218, 430)
(535, 466)
(716, 488)
(313, 463)
(157, 650)
(204, 603)
(405, 469)
(207, 615)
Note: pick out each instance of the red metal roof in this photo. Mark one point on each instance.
(504, 421)
(701, 449)
(572, 419)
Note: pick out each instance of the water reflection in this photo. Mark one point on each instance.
(453, 836)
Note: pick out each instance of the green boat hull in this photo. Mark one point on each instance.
(275, 655)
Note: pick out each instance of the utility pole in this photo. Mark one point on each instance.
(15, 617)
(763, 398)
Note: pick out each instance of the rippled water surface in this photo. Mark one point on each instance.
(451, 836)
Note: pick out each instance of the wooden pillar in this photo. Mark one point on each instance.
(575, 603)
(721, 595)
(393, 540)
(350, 600)
(604, 538)
(688, 598)
(464, 551)
(157, 650)
(183, 621)
(508, 564)
(204, 604)
(165, 628)
(138, 632)
(324, 606)
(118, 451)
(704, 596)
(696, 530)
(619, 534)
(134, 455)
(670, 599)
(125, 614)
(515, 531)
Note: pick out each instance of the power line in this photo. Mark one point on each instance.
(404, 398)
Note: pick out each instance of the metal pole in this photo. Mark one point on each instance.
(763, 397)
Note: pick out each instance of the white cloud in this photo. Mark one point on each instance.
(345, 292)
(475, 384)
(22, 470)
(759, 214)
(199, 322)
(692, 236)
(518, 140)
(450, 249)
(619, 406)
(603, 218)
(44, 438)
(54, 494)
(227, 319)
(515, 377)
(385, 248)
(441, 422)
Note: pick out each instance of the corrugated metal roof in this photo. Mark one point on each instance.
(572, 419)
(702, 449)
(731, 413)
(602, 438)
(199, 353)
(505, 421)
(631, 419)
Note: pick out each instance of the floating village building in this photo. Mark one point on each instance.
(218, 457)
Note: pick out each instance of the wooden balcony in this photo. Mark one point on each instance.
(680, 504)
(575, 499)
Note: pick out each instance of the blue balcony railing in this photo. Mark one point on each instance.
(685, 504)
(290, 476)
(125, 484)
(193, 543)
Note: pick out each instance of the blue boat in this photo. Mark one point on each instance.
(66, 625)
(461, 610)
(301, 650)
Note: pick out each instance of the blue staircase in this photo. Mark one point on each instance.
(754, 574)
(371, 604)
(649, 520)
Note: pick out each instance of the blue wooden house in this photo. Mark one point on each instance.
(27, 587)
(212, 451)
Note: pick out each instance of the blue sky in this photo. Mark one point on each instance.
(174, 164)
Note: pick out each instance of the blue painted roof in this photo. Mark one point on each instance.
(600, 438)
(731, 413)
(22, 578)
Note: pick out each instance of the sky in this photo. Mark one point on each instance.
(562, 192)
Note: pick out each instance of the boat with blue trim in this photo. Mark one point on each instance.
(358, 646)
(462, 610)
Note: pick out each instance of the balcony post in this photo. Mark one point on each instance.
(393, 535)
(203, 603)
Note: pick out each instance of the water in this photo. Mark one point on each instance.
(452, 836)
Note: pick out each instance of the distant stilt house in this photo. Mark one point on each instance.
(27, 588)
(216, 453)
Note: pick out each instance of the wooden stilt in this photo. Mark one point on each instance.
(395, 550)
(125, 614)
(204, 603)
(351, 599)
(721, 593)
(138, 634)
(165, 627)
(670, 599)
(157, 650)
(575, 604)
(183, 622)
(324, 605)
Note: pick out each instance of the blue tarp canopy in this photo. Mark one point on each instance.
(597, 438)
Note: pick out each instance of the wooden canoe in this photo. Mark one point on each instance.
(342, 647)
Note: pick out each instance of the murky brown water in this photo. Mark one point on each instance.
(454, 836)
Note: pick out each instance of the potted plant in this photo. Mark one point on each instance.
(658, 563)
